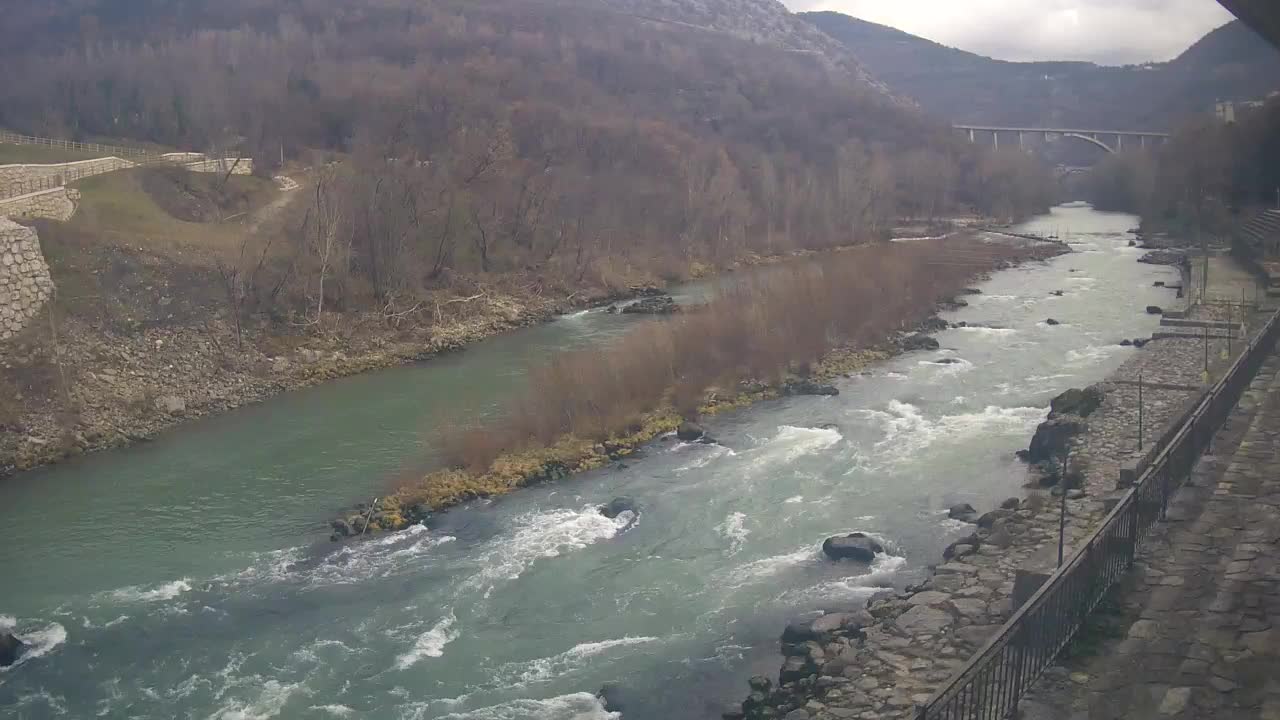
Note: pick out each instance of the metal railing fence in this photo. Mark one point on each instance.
(117, 150)
(990, 684)
(78, 170)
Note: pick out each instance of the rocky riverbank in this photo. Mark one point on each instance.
(107, 388)
(883, 660)
(105, 372)
(569, 455)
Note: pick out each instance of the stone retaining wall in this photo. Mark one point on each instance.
(25, 284)
(54, 204)
(237, 166)
(29, 178)
(15, 178)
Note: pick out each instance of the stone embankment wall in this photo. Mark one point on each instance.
(54, 204)
(237, 166)
(25, 284)
(15, 179)
(27, 178)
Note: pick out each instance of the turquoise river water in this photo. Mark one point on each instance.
(191, 577)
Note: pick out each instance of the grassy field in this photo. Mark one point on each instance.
(117, 206)
(41, 155)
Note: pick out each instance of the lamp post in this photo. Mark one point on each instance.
(1139, 412)
(1062, 506)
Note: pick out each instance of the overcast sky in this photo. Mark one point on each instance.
(1112, 32)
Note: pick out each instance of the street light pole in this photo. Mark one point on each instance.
(1206, 354)
(1062, 507)
(1139, 412)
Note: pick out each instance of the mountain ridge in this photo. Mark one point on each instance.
(766, 21)
(1228, 63)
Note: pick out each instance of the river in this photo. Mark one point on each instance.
(190, 577)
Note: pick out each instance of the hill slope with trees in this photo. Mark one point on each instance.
(465, 167)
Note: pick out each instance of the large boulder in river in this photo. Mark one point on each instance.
(808, 387)
(10, 648)
(1052, 439)
(610, 696)
(619, 505)
(933, 323)
(690, 431)
(963, 512)
(854, 546)
(798, 631)
(653, 305)
(989, 518)
(919, 341)
(1077, 402)
(822, 628)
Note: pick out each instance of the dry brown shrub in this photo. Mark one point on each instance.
(780, 321)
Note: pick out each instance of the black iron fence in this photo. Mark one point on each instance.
(990, 685)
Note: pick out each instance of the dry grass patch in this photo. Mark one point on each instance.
(117, 206)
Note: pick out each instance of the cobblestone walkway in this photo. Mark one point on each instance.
(1200, 636)
(1228, 281)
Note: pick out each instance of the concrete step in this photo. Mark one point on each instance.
(1191, 334)
(1188, 323)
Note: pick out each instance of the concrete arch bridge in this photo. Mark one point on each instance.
(1112, 141)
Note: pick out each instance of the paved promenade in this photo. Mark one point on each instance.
(1198, 631)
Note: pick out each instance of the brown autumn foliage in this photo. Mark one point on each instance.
(559, 141)
(1204, 176)
(778, 323)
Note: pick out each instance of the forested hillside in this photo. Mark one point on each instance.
(581, 140)
(1230, 63)
(1209, 176)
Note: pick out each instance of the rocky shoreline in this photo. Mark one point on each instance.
(884, 660)
(106, 386)
(128, 388)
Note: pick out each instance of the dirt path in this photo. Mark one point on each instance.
(269, 213)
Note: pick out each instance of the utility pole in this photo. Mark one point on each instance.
(372, 506)
(1229, 328)
(1139, 412)
(1062, 508)
(1206, 355)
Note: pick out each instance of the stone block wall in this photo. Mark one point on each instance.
(244, 166)
(25, 284)
(16, 178)
(55, 204)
